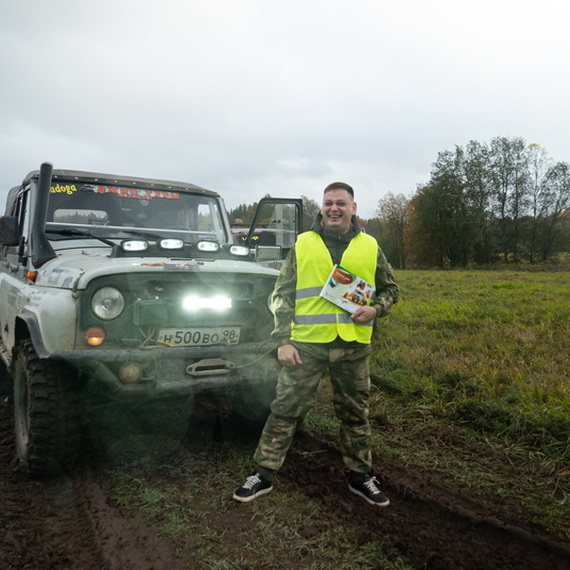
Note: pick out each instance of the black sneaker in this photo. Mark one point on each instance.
(254, 486)
(369, 491)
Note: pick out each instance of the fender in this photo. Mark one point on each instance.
(27, 326)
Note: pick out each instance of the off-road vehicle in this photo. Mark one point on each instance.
(134, 290)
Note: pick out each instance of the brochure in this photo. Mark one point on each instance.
(347, 290)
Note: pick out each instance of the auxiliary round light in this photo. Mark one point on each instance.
(130, 373)
(94, 336)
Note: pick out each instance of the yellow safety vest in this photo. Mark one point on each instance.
(319, 320)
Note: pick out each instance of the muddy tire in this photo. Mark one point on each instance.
(46, 414)
(5, 381)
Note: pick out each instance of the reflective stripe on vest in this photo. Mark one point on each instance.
(316, 319)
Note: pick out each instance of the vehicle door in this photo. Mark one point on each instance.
(276, 224)
(13, 269)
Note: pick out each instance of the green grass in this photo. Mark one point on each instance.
(485, 350)
(480, 361)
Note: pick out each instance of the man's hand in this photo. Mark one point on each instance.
(288, 355)
(364, 315)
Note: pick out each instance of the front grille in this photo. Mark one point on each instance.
(157, 302)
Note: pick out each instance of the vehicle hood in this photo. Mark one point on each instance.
(75, 269)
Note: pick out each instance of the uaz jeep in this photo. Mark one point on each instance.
(134, 289)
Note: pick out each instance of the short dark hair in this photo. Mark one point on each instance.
(340, 186)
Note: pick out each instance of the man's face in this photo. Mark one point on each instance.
(337, 210)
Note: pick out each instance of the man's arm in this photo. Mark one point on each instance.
(283, 300)
(283, 307)
(387, 291)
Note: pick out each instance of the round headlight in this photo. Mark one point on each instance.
(107, 303)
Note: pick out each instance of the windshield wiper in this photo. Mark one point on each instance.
(142, 233)
(79, 233)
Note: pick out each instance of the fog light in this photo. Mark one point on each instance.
(95, 336)
(130, 373)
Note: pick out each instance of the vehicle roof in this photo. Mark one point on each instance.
(127, 181)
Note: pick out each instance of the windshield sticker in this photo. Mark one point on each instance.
(63, 189)
(190, 266)
(132, 192)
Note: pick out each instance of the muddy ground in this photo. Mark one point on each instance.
(76, 523)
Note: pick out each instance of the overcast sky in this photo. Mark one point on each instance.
(248, 97)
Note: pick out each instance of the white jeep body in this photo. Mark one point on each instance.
(129, 288)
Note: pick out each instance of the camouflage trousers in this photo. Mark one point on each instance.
(296, 388)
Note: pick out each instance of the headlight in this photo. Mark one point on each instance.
(107, 303)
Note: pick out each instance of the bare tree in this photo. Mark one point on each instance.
(555, 205)
(393, 212)
(310, 210)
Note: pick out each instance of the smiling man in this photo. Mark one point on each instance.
(315, 336)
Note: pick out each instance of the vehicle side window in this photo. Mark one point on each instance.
(18, 224)
(21, 210)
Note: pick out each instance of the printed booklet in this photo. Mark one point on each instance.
(347, 290)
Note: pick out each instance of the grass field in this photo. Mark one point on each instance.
(487, 350)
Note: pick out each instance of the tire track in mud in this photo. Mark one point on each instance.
(125, 540)
(69, 523)
(75, 523)
(427, 523)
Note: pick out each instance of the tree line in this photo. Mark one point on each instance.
(504, 201)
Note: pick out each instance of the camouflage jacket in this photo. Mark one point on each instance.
(283, 298)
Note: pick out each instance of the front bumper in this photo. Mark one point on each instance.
(180, 371)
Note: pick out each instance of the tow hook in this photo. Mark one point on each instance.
(209, 367)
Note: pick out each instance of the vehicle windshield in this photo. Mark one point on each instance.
(109, 211)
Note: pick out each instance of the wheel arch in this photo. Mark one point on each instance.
(27, 327)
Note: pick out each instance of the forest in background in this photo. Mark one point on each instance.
(497, 202)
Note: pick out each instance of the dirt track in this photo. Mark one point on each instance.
(76, 524)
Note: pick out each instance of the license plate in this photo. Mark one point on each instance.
(200, 336)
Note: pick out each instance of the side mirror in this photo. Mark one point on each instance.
(9, 230)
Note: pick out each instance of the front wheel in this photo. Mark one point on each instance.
(5, 384)
(46, 413)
